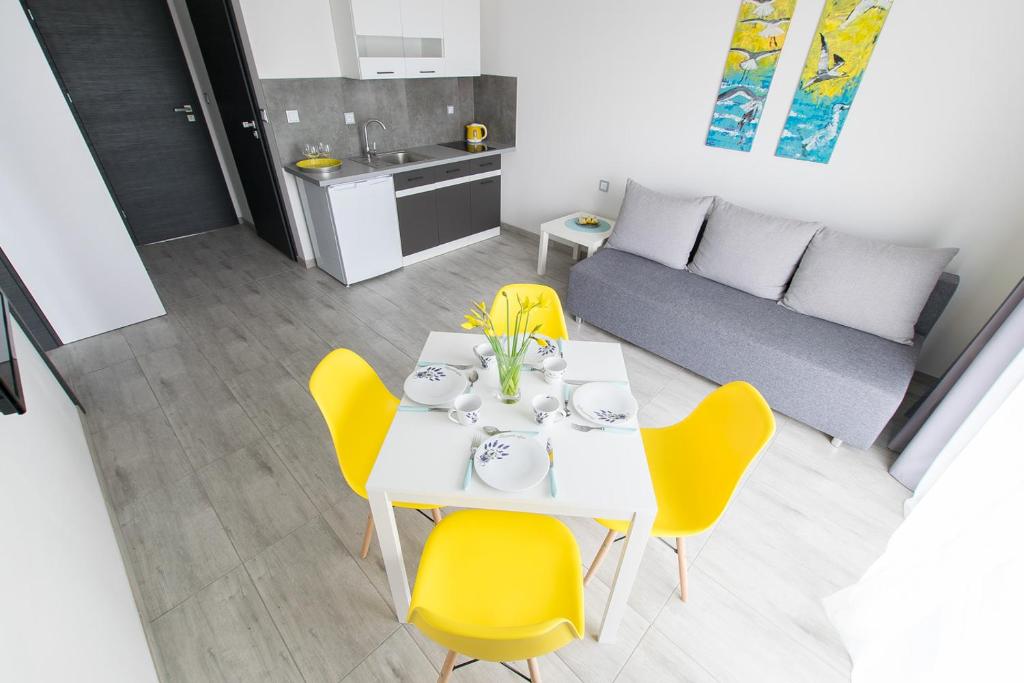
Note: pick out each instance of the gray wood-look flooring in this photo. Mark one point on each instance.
(243, 539)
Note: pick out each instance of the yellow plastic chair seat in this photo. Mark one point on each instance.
(499, 586)
(697, 463)
(548, 315)
(358, 409)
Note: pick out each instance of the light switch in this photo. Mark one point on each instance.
(451, 108)
(350, 118)
(293, 115)
(602, 185)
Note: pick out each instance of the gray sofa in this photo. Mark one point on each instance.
(842, 381)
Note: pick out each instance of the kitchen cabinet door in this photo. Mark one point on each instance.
(486, 200)
(454, 213)
(417, 222)
(462, 37)
(423, 18)
(377, 17)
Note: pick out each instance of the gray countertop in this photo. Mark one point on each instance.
(353, 170)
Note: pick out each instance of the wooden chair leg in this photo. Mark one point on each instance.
(447, 667)
(599, 558)
(367, 536)
(436, 514)
(681, 557)
(534, 669)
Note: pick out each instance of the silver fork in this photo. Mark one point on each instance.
(610, 430)
(454, 366)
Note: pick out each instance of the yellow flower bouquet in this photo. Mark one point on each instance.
(510, 338)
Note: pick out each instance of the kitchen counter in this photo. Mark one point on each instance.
(353, 170)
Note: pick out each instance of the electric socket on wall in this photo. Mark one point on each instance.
(292, 114)
(451, 108)
(603, 185)
(350, 118)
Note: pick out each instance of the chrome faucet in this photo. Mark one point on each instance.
(371, 149)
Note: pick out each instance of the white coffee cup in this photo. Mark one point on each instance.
(465, 409)
(485, 354)
(554, 368)
(547, 409)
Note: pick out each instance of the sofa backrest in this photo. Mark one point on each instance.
(937, 301)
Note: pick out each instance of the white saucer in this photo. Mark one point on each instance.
(605, 404)
(434, 385)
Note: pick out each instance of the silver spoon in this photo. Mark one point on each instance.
(472, 376)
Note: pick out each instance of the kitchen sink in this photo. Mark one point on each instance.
(396, 158)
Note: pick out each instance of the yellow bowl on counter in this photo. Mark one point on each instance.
(319, 164)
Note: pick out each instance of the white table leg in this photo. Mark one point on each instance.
(542, 253)
(625, 575)
(591, 249)
(391, 549)
(575, 252)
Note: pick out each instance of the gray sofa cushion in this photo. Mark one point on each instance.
(865, 284)
(751, 251)
(842, 381)
(659, 226)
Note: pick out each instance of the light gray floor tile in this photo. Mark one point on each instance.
(658, 660)
(223, 634)
(153, 335)
(91, 354)
(255, 497)
(271, 397)
(397, 659)
(114, 394)
(330, 616)
(179, 372)
(210, 425)
(306, 448)
(140, 455)
(176, 544)
(232, 349)
(735, 642)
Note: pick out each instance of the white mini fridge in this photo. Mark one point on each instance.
(362, 239)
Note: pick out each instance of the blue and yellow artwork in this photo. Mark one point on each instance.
(756, 43)
(842, 47)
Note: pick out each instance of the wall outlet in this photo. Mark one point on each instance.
(602, 185)
(350, 118)
(292, 114)
(451, 108)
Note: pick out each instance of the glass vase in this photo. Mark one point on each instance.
(509, 370)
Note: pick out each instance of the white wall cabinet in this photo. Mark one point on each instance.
(407, 38)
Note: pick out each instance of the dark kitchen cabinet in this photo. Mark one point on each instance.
(454, 213)
(447, 211)
(417, 222)
(485, 199)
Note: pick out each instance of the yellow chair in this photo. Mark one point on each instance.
(696, 465)
(548, 314)
(358, 409)
(499, 586)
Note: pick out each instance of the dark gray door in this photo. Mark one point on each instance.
(417, 222)
(454, 220)
(125, 73)
(486, 196)
(217, 32)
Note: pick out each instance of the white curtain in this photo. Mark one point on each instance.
(945, 602)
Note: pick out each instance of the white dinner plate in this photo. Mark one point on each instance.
(511, 462)
(604, 403)
(434, 385)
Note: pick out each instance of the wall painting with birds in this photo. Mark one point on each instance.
(761, 30)
(842, 46)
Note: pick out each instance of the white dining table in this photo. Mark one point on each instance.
(600, 474)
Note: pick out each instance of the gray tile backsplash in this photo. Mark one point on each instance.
(414, 110)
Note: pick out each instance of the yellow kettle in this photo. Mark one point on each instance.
(476, 132)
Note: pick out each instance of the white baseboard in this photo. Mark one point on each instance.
(450, 246)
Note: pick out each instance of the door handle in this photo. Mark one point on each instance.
(248, 124)
(187, 109)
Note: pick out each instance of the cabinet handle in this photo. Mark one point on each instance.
(415, 177)
(487, 182)
(489, 163)
(432, 71)
(453, 170)
(381, 73)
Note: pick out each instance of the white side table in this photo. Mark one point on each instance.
(577, 238)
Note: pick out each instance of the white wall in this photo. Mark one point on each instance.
(291, 39)
(58, 223)
(68, 612)
(932, 153)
